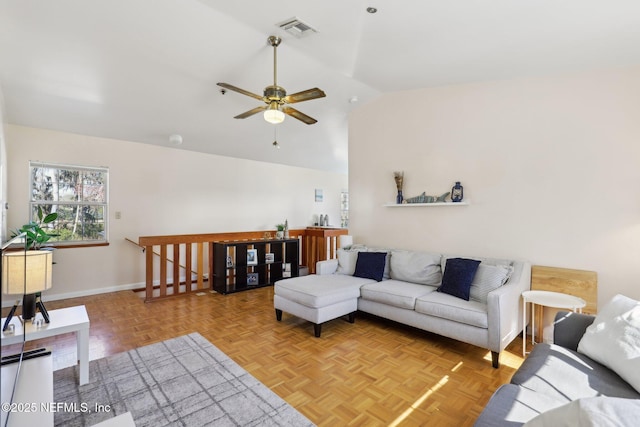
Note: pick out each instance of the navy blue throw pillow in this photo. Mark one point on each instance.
(458, 275)
(370, 265)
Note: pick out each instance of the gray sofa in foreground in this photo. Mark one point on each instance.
(555, 375)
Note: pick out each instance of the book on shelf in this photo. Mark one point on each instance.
(252, 279)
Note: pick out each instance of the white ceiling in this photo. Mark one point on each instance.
(141, 70)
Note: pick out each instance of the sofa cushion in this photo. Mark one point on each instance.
(416, 267)
(512, 406)
(370, 265)
(613, 338)
(568, 375)
(458, 310)
(395, 293)
(591, 412)
(320, 290)
(457, 277)
(484, 260)
(488, 278)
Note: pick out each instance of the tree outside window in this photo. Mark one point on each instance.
(78, 194)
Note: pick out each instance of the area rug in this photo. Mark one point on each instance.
(184, 381)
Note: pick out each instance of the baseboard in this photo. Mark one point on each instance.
(8, 301)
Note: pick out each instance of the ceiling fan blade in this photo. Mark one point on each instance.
(251, 112)
(298, 115)
(242, 91)
(305, 95)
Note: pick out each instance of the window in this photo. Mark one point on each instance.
(80, 197)
(344, 209)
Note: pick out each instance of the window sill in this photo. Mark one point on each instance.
(75, 245)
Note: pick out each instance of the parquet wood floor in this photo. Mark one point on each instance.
(371, 373)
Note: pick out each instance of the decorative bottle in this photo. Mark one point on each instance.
(286, 228)
(457, 192)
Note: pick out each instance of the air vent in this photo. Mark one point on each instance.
(296, 27)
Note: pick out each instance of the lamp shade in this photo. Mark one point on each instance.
(26, 272)
(273, 114)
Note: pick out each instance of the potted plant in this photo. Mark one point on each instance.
(280, 231)
(36, 236)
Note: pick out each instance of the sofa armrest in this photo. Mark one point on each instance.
(569, 327)
(328, 266)
(504, 307)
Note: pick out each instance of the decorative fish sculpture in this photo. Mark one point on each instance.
(423, 198)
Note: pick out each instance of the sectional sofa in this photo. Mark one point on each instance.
(471, 299)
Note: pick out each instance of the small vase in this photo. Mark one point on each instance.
(399, 197)
(279, 234)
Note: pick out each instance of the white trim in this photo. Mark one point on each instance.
(8, 301)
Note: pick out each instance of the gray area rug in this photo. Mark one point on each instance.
(185, 381)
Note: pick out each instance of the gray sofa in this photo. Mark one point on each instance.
(407, 293)
(552, 376)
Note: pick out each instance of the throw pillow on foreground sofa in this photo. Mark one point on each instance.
(613, 339)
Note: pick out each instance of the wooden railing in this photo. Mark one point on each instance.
(180, 264)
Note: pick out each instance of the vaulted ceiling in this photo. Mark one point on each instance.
(142, 70)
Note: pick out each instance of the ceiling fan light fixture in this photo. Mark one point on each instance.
(276, 97)
(273, 114)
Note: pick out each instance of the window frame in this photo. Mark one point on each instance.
(34, 203)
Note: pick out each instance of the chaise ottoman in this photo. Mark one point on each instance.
(318, 298)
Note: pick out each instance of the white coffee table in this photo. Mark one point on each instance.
(547, 299)
(62, 321)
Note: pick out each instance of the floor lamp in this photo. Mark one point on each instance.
(27, 273)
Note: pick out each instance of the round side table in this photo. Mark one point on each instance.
(547, 299)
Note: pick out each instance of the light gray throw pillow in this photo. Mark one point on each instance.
(488, 278)
(347, 261)
(416, 267)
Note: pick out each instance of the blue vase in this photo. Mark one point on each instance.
(399, 197)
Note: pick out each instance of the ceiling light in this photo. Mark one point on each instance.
(175, 139)
(273, 113)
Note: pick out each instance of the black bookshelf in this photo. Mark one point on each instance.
(243, 265)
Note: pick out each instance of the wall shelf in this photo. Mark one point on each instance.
(406, 205)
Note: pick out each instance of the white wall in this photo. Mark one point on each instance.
(3, 173)
(551, 166)
(161, 191)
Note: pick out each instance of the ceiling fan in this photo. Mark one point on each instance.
(275, 97)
